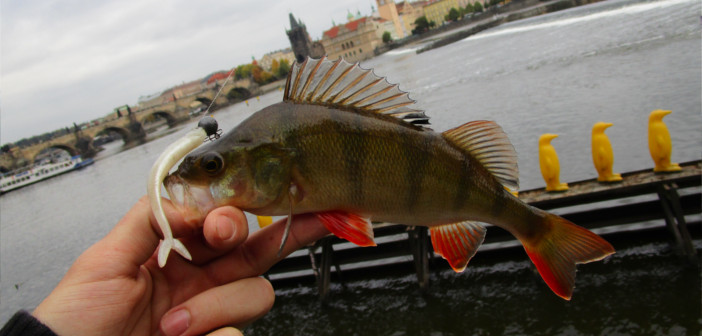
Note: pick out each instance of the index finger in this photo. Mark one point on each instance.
(260, 252)
(133, 240)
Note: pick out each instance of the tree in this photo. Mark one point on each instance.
(275, 67)
(283, 68)
(452, 15)
(478, 7)
(421, 25)
(280, 68)
(387, 37)
(260, 76)
(469, 8)
(243, 71)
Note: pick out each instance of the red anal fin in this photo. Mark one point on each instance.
(458, 242)
(351, 227)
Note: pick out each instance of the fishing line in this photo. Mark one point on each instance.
(220, 90)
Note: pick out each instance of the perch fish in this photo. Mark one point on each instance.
(347, 145)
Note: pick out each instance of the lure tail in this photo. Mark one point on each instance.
(169, 244)
(557, 251)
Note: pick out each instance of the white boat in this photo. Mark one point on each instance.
(18, 179)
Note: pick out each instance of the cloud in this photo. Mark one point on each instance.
(75, 60)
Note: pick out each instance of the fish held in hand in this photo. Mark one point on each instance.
(346, 145)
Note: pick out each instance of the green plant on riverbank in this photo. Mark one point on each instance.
(279, 69)
(387, 38)
(422, 25)
(453, 14)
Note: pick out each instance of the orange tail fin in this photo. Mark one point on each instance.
(558, 250)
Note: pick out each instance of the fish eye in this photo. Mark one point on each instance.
(211, 163)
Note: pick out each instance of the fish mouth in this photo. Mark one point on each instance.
(192, 201)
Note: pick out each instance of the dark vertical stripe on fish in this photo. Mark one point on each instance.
(356, 151)
(463, 189)
(499, 200)
(352, 154)
(294, 136)
(416, 161)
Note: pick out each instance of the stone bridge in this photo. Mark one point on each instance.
(131, 125)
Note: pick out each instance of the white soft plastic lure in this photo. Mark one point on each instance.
(207, 127)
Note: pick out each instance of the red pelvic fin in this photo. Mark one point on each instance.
(458, 242)
(351, 227)
(557, 252)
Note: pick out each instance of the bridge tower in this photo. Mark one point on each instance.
(135, 128)
(301, 43)
(84, 144)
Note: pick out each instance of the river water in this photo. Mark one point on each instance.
(560, 73)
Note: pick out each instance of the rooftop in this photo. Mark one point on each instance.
(350, 26)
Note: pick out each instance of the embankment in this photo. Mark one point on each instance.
(493, 17)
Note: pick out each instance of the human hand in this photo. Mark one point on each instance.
(116, 286)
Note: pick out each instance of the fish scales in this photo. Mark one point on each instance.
(354, 158)
(372, 165)
(345, 145)
(375, 166)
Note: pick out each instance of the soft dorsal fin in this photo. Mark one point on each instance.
(340, 84)
(488, 143)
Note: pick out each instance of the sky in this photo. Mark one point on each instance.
(76, 60)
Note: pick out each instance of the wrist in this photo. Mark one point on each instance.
(23, 323)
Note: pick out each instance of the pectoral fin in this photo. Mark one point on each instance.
(351, 227)
(458, 242)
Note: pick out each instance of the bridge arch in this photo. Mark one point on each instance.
(204, 100)
(239, 93)
(124, 133)
(70, 149)
(168, 116)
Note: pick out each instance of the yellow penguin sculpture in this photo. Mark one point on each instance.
(550, 167)
(264, 221)
(659, 143)
(602, 154)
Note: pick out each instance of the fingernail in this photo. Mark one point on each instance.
(225, 228)
(175, 323)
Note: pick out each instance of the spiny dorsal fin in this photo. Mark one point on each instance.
(341, 84)
(486, 142)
